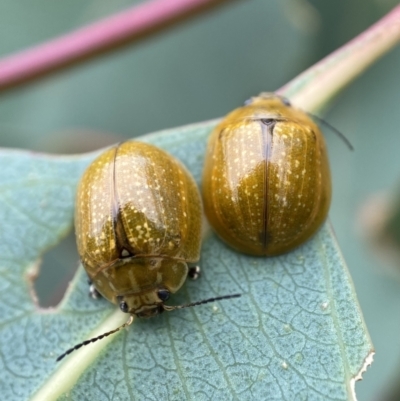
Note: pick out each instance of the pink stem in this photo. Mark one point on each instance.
(99, 36)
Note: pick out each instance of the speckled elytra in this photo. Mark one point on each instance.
(266, 180)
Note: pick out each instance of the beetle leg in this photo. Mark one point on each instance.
(194, 272)
(93, 293)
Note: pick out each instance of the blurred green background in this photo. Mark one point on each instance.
(199, 70)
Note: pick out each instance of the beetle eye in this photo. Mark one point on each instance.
(163, 295)
(124, 307)
(286, 102)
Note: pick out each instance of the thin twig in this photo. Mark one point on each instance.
(96, 38)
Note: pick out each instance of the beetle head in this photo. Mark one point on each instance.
(145, 304)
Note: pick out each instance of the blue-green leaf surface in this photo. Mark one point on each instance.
(295, 334)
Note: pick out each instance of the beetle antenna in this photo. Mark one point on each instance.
(204, 301)
(94, 339)
(332, 128)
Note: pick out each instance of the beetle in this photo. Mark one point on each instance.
(138, 224)
(266, 179)
(138, 221)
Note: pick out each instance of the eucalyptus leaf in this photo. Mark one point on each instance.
(296, 333)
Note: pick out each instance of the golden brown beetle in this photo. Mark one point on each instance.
(138, 224)
(266, 180)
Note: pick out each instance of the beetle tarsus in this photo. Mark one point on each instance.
(93, 293)
(194, 272)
